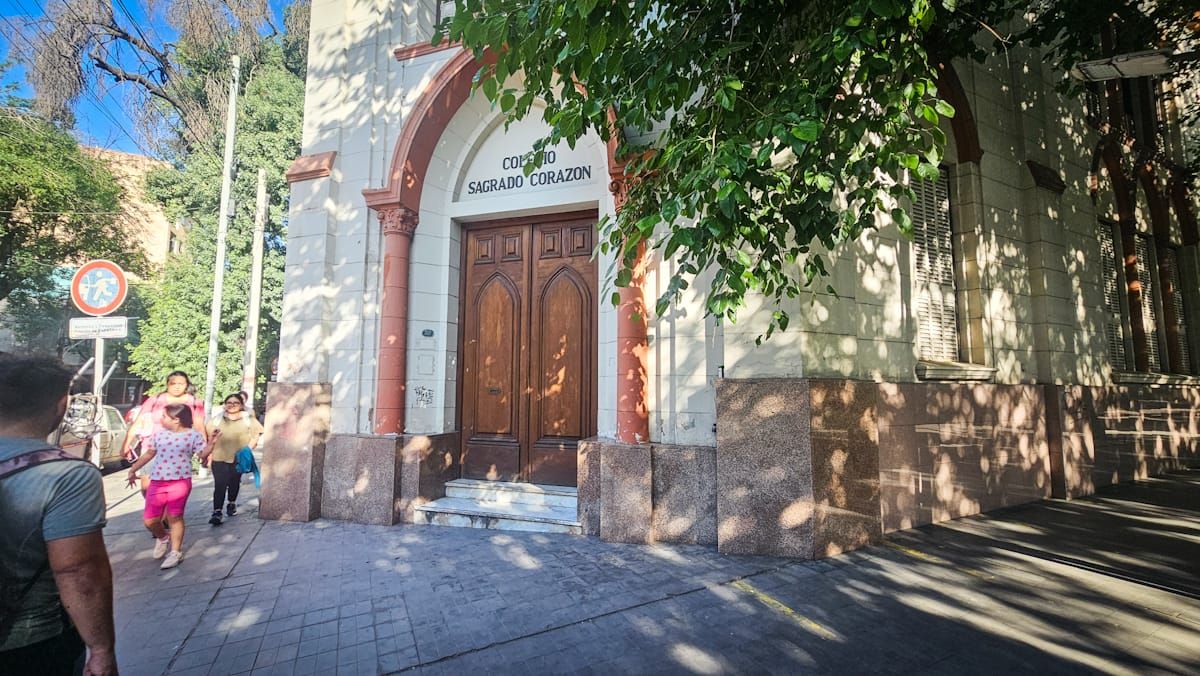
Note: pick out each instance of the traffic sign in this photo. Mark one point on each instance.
(80, 328)
(98, 287)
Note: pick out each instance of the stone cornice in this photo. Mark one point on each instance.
(1045, 177)
(409, 52)
(308, 167)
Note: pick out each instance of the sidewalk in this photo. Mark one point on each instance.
(1110, 584)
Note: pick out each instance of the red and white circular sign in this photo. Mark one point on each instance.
(98, 287)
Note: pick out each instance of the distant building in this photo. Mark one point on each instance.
(444, 319)
(157, 236)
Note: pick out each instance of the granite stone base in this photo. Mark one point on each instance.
(425, 463)
(297, 426)
(647, 492)
(845, 465)
(626, 493)
(360, 478)
(765, 500)
(1108, 435)
(588, 484)
(685, 494)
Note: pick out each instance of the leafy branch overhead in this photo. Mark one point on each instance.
(777, 130)
(172, 56)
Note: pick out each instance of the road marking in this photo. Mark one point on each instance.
(780, 607)
(930, 558)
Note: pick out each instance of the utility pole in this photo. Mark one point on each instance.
(214, 324)
(260, 226)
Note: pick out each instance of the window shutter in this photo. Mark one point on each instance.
(933, 258)
(1149, 302)
(1115, 328)
(1171, 262)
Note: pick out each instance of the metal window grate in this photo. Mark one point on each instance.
(1145, 270)
(933, 259)
(1170, 260)
(1114, 329)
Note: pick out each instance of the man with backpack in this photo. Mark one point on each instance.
(56, 596)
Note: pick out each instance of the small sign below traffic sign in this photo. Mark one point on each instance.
(98, 287)
(82, 328)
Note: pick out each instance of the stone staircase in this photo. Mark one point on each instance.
(504, 505)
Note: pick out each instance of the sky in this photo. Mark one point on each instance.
(101, 117)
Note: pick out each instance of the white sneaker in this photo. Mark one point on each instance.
(161, 547)
(172, 560)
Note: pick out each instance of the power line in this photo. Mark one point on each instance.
(85, 88)
(200, 146)
(168, 80)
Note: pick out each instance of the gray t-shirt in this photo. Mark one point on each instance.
(52, 501)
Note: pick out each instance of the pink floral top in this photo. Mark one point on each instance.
(173, 453)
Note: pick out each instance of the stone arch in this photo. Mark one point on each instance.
(432, 111)
(398, 207)
(966, 133)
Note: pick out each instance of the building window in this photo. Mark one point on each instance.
(1150, 300)
(1177, 334)
(933, 262)
(1115, 326)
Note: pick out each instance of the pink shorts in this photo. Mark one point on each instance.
(166, 495)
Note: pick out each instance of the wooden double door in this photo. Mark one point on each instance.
(528, 349)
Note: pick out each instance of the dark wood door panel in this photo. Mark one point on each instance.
(561, 355)
(529, 348)
(562, 372)
(496, 357)
(495, 331)
(492, 458)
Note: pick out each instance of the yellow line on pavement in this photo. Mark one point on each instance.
(917, 554)
(780, 607)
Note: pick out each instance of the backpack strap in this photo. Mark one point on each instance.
(34, 458)
(8, 468)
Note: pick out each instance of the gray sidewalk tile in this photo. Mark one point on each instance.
(972, 595)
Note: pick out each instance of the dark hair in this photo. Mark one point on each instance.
(185, 377)
(180, 412)
(237, 396)
(31, 387)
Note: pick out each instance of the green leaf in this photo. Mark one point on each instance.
(489, 87)
(943, 108)
(807, 130)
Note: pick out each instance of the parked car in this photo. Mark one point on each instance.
(81, 437)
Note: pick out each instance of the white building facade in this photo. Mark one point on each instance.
(446, 318)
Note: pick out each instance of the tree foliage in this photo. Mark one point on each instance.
(58, 206)
(82, 46)
(761, 134)
(175, 334)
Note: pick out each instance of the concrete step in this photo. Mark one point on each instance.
(508, 492)
(468, 513)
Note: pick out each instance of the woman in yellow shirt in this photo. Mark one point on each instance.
(239, 429)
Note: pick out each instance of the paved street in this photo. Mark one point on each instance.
(1110, 584)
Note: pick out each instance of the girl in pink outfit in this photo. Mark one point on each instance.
(170, 478)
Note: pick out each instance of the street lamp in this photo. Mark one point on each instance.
(1135, 64)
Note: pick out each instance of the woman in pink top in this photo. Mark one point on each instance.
(170, 478)
(149, 419)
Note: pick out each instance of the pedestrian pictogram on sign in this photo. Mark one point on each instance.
(98, 287)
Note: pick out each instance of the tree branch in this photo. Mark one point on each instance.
(125, 76)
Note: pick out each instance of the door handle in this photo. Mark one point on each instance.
(494, 391)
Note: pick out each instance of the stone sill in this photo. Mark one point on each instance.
(1139, 378)
(953, 370)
